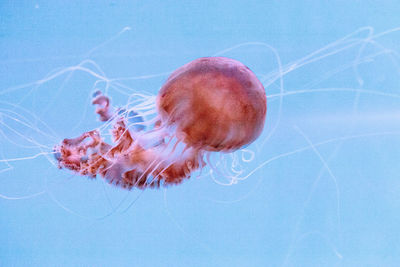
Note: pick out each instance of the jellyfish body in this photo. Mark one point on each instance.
(208, 105)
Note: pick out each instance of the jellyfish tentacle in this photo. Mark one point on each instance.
(103, 106)
(126, 164)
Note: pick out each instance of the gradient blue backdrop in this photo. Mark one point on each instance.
(335, 204)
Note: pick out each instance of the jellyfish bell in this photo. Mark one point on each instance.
(216, 103)
(208, 105)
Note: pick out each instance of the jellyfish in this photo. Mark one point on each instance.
(209, 105)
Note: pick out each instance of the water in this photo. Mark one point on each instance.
(321, 190)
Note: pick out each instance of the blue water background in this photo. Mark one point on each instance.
(331, 204)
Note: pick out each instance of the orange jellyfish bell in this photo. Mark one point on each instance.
(217, 104)
(210, 104)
